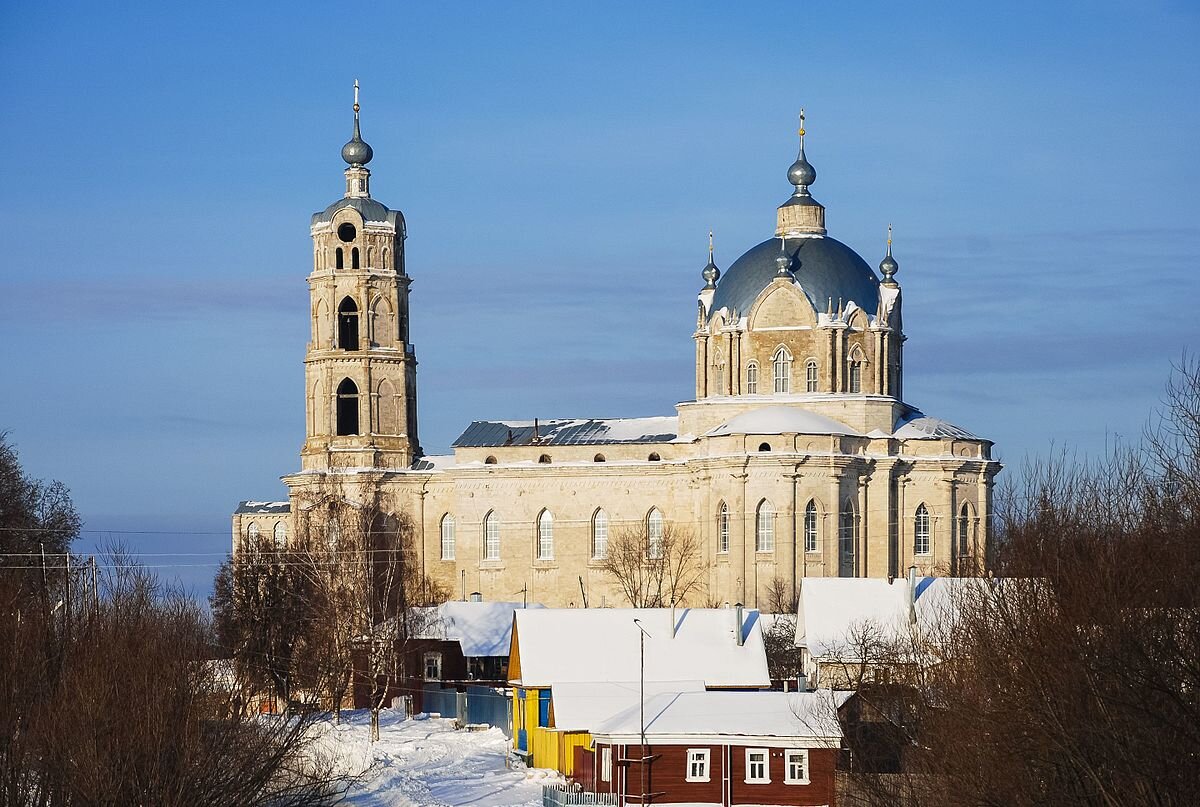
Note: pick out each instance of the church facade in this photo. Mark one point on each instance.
(798, 456)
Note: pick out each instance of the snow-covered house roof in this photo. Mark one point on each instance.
(577, 431)
(580, 706)
(561, 645)
(781, 420)
(263, 507)
(481, 628)
(755, 716)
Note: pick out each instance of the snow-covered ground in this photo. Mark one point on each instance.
(427, 763)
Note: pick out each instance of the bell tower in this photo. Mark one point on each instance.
(360, 369)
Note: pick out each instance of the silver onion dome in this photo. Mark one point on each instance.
(710, 273)
(357, 152)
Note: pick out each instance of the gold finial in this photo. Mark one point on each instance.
(710, 246)
(356, 95)
(801, 132)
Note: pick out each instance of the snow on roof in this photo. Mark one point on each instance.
(263, 507)
(437, 462)
(781, 420)
(481, 628)
(559, 645)
(755, 714)
(580, 706)
(918, 426)
(566, 431)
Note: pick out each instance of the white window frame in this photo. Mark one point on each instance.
(781, 370)
(491, 536)
(789, 755)
(723, 529)
(600, 535)
(765, 779)
(606, 764)
(764, 527)
(752, 378)
(545, 536)
(252, 533)
(447, 533)
(280, 535)
(811, 381)
(810, 527)
(921, 530)
(854, 377)
(436, 658)
(697, 757)
(654, 534)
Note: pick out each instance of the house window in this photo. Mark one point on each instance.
(921, 531)
(781, 363)
(491, 536)
(606, 763)
(795, 766)
(723, 528)
(810, 376)
(447, 537)
(810, 527)
(697, 765)
(544, 708)
(433, 666)
(654, 534)
(600, 535)
(756, 767)
(545, 535)
(752, 378)
(856, 376)
(764, 528)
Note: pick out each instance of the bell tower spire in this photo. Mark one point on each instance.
(801, 215)
(357, 153)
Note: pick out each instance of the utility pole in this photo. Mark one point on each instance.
(67, 604)
(642, 704)
(95, 587)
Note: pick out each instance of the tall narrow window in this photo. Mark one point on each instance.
(810, 375)
(654, 534)
(781, 363)
(348, 324)
(964, 526)
(339, 259)
(252, 536)
(600, 535)
(764, 528)
(847, 533)
(354, 258)
(855, 379)
(921, 531)
(447, 537)
(751, 379)
(810, 527)
(723, 528)
(280, 535)
(545, 535)
(491, 536)
(347, 407)
(719, 376)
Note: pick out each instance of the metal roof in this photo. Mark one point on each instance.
(568, 432)
(919, 426)
(367, 207)
(263, 507)
(824, 267)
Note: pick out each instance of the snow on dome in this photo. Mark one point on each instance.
(918, 426)
(781, 420)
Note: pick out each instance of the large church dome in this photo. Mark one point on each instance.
(825, 268)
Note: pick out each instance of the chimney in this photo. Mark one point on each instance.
(737, 624)
(912, 594)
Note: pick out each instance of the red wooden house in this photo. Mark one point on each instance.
(719, 749)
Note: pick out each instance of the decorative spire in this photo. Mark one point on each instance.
(888, 266)
(783, 261)
(711, 273)
(801, 173)
(357, 153)
(801, 215)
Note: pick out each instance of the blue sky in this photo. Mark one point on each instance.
(559, 166)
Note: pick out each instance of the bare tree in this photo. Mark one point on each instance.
(656, 571)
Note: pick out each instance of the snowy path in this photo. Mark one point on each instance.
(426, 763)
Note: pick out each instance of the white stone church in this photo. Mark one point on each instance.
(797, 458)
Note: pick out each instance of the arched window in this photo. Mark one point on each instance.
(723, 528)
(921, 531)
(764, 447)
(347, 407)
(810, 375)
(333, 533)
(354, 258)
(387, 409)
(752, 378)
(964, 527)
(810, 527)
(654, 534)
(252, 535)
(854, 381)
(490, 460)
(598, 458)
(381, 322)
(654, 457)
(280, 535)
(387, 264)
(339, 259)
(348, 324)
(544, 459)
(370, 257)
(600, 535)
(719, 376)
(491, 536)
(847, 535)
(447, 537)
(545, 536)
(781, 363)
(764, 528)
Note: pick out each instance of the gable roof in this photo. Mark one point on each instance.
(582, 706)
(480, 628)
(683, 715)
(558, 645)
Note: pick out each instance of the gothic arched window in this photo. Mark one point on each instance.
(921, 531)
(781, 364)
(252, 536)
(354, 258)
(855, 378)
(654, 534)
(491, 536)
(752, 378)
(964, 526)
(847, 535)
(600, 535)
(447, 537)
(545, 536)
(810, 375)
(347, 407)
(280, 535)
(810, 527)
(348, 324)
(764, 528)
(723, 528)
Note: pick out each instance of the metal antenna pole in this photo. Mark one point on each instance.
(642, 704)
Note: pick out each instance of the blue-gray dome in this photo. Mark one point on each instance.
(367, 207)
(357, 151)
(825, 268)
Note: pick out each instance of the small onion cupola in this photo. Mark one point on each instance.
(801, 215)
(357, 153)
(888, 266)
(711, 273)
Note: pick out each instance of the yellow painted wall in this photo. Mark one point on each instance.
(550, 748)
